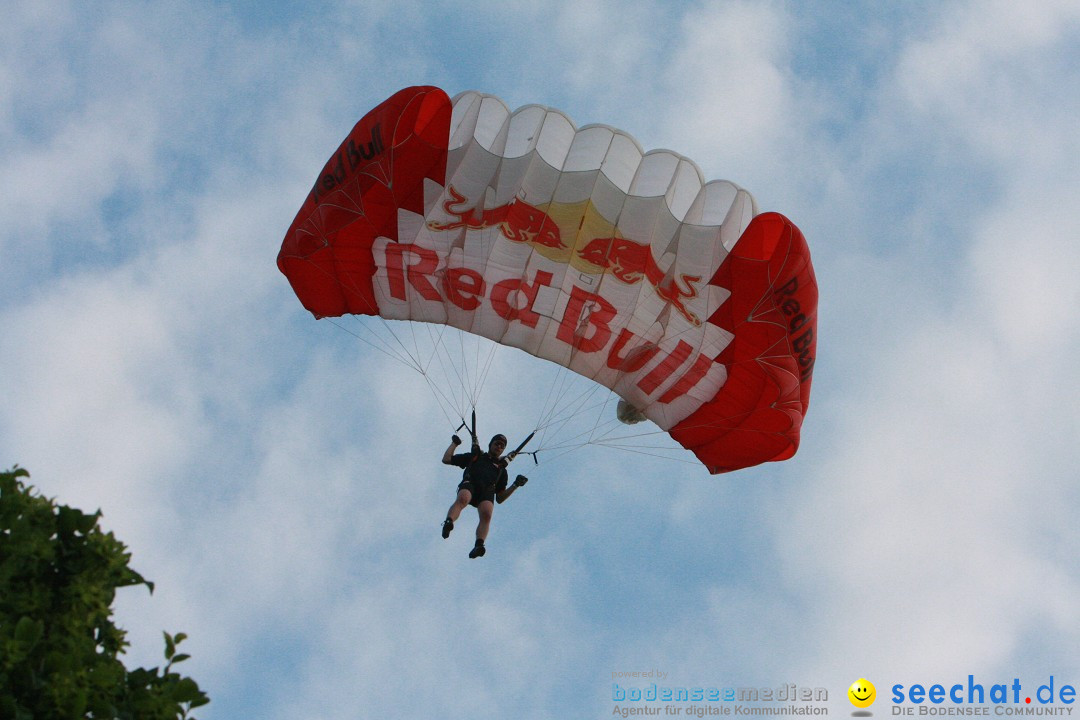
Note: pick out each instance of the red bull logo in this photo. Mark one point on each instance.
(628, 261)
(517, 220)
(631, 262)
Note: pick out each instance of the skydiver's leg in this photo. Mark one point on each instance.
(485, 509)
(462, 501)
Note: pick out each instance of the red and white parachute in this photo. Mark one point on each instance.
(577, 247)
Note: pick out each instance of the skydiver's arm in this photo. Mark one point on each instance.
(503, 495)
(449, 454)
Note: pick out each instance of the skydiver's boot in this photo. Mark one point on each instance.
(478, 549)
(447, 526)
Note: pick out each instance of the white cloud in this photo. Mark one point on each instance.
(469, 639)
(91, 371)
(1023, 260)
(934, 533)
(730, 88)
(605, 47)
(997, 77)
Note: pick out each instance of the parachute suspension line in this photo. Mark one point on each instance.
(380, 344)
(465, 375)
(610, 425)
(414, 331)
(562, 412)
(413, 355)
(563, 403)
(664, 453)
(601, 435)
(397, 346)
(454, 359)
(457, 364)
(604, 430)
(551, 404)
(390, 343)
(447, 404)
(451, 370)
(440, 400)
(463, 368)
(486, 370)
(436, 355)
(558, 412)
(456, 371)
(586, 433)
(556, 403)
(461, 374)
(404, 357)
(475, 373)
(401, 353)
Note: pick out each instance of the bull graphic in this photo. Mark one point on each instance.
(631, 261)
(517, 220)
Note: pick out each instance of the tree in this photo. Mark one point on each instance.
(58, 645)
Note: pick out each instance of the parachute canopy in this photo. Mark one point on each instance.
(576, 246)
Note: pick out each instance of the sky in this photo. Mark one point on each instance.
(280, 482)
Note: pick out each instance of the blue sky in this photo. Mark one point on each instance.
(280, 483)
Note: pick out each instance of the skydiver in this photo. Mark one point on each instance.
(484, 482)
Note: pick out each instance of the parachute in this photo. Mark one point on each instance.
(574, 245)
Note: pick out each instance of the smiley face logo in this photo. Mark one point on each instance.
(862, 693)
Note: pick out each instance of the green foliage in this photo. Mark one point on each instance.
(58, 646)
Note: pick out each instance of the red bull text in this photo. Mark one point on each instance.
(585, 322)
